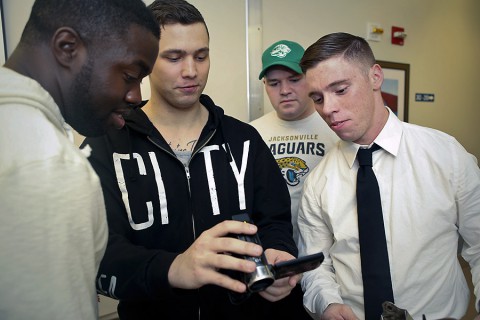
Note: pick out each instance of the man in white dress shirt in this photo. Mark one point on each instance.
(429, 187)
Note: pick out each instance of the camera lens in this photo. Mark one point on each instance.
(260, 279)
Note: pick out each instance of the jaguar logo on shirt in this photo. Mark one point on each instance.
(293, 169)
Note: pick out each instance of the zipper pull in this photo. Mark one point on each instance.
(187, 171)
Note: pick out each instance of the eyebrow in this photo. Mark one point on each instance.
(270, 79)
(336, 83)
(179, 51)
(205, 49)
(330, 86)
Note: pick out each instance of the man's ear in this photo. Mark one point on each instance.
(376, 77)
(67, 47)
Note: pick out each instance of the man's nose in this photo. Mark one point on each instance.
(189, 68)
(134, 96)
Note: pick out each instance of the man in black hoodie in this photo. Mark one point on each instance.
(172, 179)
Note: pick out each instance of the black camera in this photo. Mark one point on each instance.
(262, 277)
(265, 274)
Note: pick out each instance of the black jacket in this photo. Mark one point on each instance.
(156, 207)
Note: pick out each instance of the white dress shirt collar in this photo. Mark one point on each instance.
(389, 139)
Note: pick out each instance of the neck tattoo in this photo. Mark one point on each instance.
(189, 146)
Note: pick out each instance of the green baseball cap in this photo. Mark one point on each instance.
(284, 53)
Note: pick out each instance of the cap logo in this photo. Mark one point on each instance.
(280, 51)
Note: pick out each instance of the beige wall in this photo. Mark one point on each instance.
(442, 48)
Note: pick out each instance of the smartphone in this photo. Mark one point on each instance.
(291, 267)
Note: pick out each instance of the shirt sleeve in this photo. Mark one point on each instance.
(127, 271)
(319, 285)
(468, 204)
(53, 233)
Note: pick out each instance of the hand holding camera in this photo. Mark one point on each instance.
(213, 258)
(211, 252)
(265, 274)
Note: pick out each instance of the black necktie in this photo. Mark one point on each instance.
(377, 283)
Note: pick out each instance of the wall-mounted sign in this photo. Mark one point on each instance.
(424, 97)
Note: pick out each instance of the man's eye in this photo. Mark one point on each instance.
(172, 58)
(341, 90)
(130, 78)
(317, 100)
(295, 79)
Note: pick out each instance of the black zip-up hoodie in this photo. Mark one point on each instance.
(156, 207)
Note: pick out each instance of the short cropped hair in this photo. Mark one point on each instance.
(92, 19)
(176, 11)
(352, 48)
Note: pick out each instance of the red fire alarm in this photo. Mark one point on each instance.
(398, 35)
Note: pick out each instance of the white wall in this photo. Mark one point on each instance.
(441, 47)
(16, 14)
